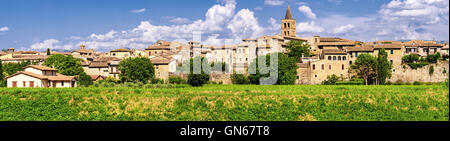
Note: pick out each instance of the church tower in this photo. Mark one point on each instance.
(288, 24)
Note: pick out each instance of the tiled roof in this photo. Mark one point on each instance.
(42, 77)
(363, 49)
(336, 43)
(389, 46)
(423, 45)
(96, 77)
(158, 48)
(160, 61)
(334, 52)
(121, 50)
(96, 64)
(43, 68)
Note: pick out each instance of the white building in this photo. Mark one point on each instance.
(40, 76)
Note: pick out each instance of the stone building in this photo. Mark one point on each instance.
(288, 25)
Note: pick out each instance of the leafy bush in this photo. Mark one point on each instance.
(331, 80)
(157, 81)
(176, 80)
(412, 58)
(138, 69)
(239, 79)
(417, 83)
(431, 70)
(433, 58)
(417, 65)
(84, 80)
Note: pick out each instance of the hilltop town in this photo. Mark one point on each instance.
(330, 56)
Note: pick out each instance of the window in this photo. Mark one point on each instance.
(323, 67)
(14, 84)
(314, 66)
(344, 58)
(351, 62)
(334, 58)
(329, 67)
(298, 77)
(329, 57)
(62, 83)
(356, 54)
(114, 54)
(315, 75)
(392, 51)
(392, 61)
(24, 83)
(289, 25)
(31, 84)
(343, 66)
(339, 58)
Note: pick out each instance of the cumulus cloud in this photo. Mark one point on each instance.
(52, 44)
(274, 2)
(307, 12)
(3, 29)
(309, 27)
(245, 24)
(179, 20)
(138, 10)
(343, 29)
(337, 2)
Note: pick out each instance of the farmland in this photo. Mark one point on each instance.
(228, 103)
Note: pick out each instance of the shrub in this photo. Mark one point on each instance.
(417, 65)
(84, 80)
(417, 83)
(157, 81)
(431, 70)
(398, 82)
(433, 58)
(197, 80)
(349, 83)
(331, 80)
(239, 79)
(412, 58)
(176, 80)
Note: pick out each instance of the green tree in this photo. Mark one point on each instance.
(287, 69)
(2, 77)
(84, 80)
(384, 67)
(365, 67)
(298, 49)
(12, 68)
(48, 52)
(65, 65)
(239, 79)
(138, 69)
(198, 75)
(331, 80)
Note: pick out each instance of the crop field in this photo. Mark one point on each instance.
(228, 103)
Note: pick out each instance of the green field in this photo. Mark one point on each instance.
(228, 103)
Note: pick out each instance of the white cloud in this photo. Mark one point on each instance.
(311, 27)
(307, 12)
(337, 2)
(106, 36)
(180, 20)
(3, 29)
(138, 10)
(245, 25)
(52, 44)
(259, 8)
(343, 29)
(274, 2)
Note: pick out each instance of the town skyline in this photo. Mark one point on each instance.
(217, 20)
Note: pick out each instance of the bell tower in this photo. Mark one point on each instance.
(288, 24)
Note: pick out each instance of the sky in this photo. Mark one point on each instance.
(110, 24)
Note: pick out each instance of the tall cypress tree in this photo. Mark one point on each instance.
(2, 77)
(384, 67)
(48, 52)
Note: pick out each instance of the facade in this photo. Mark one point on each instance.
(121, 53)
(288, 25)
(40, 76)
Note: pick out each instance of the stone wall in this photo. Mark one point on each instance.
(406, 74)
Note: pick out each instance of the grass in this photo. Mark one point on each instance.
(228, 103)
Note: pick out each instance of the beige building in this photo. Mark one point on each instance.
(121, 53)
(288, 25)
(40, 76)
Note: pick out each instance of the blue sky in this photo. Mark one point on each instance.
(110, 24)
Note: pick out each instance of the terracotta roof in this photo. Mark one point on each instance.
(423, 45)
(96, 77)
(336, 43)
(121, 50)
(160, 61)
(334, 52)
(362, 49)
(158, 48)
(96, 64)
(61, 78)
(389, 46)
(38, 67)
(29, 74)
(332, 39)
(106, 59)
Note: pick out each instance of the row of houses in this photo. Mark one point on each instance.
(330, 55)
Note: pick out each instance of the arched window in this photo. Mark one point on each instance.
(329, 57)
(334, 57)
(344, 58)
(339, 58)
